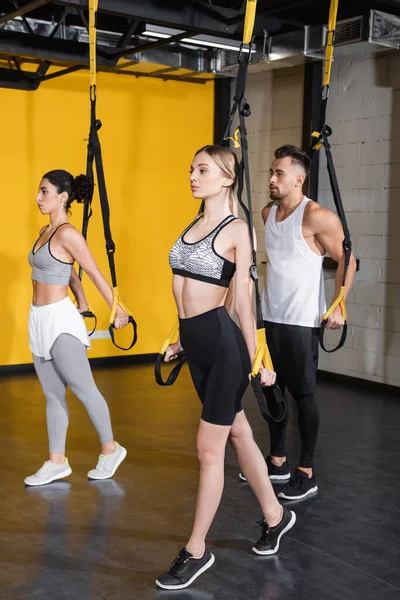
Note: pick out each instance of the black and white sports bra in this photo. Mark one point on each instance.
(199, 260)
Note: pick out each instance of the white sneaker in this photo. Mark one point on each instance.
(107, 465)
(48, 473)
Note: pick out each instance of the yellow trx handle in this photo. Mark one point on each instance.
(339, 301)
(235, 138)
(93, 5)
(262, 354)
(117, 302)
(172, 337)
(249, 21)
(330, 41)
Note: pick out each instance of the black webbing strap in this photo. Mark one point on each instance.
(87, 213)
(325, 133)
(322, 137)
(94, 155)
(270, 399)
(172, 338)
(173, 375)
(88, 314)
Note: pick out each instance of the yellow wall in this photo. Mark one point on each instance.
(151, 129)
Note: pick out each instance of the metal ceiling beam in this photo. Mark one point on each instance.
(63, 72)
(69, 52)
(53, 49)
(153, 45)
(185, 16)
(27, 8)
(127, 35)
(23, 80)
(277, 7)
(60, 22)
(163, 74)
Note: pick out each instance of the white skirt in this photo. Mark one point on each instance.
(47, 322)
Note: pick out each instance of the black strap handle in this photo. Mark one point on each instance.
(111, 329)
(342, 339)
(88, 314)
(271, 401)
(173, 375)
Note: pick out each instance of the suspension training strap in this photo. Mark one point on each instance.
(322, 141)
(94, 155)
(270, 399)
(87, 207)
(172, 338)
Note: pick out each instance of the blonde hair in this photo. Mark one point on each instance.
(228, 163)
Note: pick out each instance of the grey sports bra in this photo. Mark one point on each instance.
(199, 260)
(46, 268)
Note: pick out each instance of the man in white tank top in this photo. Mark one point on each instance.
(298, 233)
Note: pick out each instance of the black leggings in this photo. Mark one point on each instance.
(294, 353)
(219, 363)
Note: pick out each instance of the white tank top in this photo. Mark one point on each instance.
(294, 291)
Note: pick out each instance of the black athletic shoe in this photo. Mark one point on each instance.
(277, 473)
(185, 569)
(300, 486)
(271, 536)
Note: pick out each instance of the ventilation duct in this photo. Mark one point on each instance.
(358, 34)
(384, 29)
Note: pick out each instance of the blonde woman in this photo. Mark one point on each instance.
(211, 254)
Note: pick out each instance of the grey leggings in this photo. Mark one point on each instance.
(70, 366)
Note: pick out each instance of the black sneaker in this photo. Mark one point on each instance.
(277, 473)
(300, 486)
(271, 536)
(185, 569)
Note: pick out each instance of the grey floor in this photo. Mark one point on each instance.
(109, 540)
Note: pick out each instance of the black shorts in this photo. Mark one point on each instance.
(219, 363)
(294, 353)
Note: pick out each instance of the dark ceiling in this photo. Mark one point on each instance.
(36, 31)
(209, 16)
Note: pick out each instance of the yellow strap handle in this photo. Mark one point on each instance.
(235, 138)
(330, 41)
(93, 5)
(172, 337)
(117, 302)
(249, 21)
(339, 301)
(262, 354)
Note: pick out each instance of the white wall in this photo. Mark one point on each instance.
(364, 113)
(276, 100)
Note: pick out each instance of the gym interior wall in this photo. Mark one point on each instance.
(151, 129)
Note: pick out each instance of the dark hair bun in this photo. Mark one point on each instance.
(83, 188)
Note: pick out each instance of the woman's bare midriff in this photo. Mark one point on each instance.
(46, 293)
(195, 297)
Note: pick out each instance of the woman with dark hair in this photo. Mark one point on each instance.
(57, 334)
(211, 277)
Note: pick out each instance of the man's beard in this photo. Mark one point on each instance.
(275, 195)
